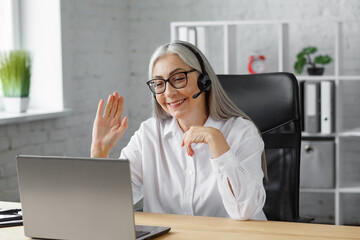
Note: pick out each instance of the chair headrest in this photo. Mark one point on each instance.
(270, 99)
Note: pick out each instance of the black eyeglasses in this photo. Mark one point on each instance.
(177, 80)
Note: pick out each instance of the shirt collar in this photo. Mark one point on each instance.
(172, 126)
(210, 122)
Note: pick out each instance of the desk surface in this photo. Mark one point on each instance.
(195, 227)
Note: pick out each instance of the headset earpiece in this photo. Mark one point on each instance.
(204, 82)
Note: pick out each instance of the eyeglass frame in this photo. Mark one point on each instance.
(168, 80)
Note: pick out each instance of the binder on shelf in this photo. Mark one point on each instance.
(188, 34)
(192, 35)
(201, 39)
(311, 107)
(183, 33)
(317, 164)
(302, 102)
(327, 97)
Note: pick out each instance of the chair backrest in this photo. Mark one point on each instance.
(272, 101)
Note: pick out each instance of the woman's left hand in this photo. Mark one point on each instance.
(209, 135)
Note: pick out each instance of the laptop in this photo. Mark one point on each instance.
(78, 198)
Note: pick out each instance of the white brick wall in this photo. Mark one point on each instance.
(106, 48)
(149, 27)
(95, 63)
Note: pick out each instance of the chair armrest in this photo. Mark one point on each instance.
(305, 219)
(138, 209)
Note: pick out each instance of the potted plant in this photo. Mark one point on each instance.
(304, 58)
(15, 73)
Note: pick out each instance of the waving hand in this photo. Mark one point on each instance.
(108, 127)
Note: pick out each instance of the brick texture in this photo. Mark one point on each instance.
(107, 46)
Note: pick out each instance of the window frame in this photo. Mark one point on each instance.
(20, 13)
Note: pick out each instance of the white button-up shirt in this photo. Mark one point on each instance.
(170, 181)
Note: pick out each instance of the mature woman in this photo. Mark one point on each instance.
(199, 154)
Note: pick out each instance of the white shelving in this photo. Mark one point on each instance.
(318, 190)
(315, 78)
(350, 190)
(351, 133)
(338, 202)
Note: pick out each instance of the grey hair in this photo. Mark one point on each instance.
(219, 105)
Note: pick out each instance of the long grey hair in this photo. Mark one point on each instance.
(219, 105)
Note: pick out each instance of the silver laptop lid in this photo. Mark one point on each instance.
(76, 198)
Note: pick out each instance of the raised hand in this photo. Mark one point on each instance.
(211, 136)
(108, 127)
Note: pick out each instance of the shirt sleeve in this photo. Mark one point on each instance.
(133, 153)
(241, 167)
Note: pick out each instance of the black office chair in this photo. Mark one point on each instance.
(272, 101)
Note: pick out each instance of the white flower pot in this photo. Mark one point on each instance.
(16, 104)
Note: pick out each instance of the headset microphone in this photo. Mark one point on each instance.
(197, 94)
(204, 82)
(205, 85)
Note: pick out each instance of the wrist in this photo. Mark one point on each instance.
(98, 152)
(217, 144)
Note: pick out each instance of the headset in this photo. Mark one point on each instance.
(204, 82)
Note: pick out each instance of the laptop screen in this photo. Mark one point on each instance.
(76, 198)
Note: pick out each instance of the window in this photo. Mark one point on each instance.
(9, 28)
(36, 26)
(5, 25)
(9, 24)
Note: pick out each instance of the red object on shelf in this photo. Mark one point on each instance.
(257, 64)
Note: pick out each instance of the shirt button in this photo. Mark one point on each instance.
(191, 172)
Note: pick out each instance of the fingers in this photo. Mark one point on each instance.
(186, 142)
(187, 145)
(100, 108)
(124, 123)
(194, 135)
(120, 108)
(114, 105)
(109, 105)
(189, 150)
(123, 126)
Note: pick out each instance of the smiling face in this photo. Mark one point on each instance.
(179, 102)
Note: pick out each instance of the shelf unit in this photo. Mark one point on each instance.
(227, 38)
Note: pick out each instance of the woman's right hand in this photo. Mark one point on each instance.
(108, 127)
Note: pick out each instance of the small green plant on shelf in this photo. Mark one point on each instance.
(304, 58)
(15, 73)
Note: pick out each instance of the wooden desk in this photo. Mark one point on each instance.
(194, 227)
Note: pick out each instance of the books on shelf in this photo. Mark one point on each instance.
(327, 103)
(311, 107)
(317, 164)
(188, 34)
(318, 106)
(194, 35)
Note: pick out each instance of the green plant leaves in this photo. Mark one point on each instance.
(15, 73)
(323, 59)
(300, 64)
(309, 50)
(304, 58)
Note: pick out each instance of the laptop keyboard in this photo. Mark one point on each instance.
(141, 233)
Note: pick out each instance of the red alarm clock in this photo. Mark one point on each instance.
(257, 64)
